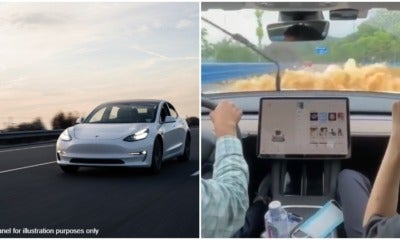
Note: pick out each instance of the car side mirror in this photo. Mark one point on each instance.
(169, 119)
(79, 120)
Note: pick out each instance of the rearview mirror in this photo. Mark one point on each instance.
(298, 31)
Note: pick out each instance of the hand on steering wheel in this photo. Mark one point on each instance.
(212, 105)
(208, 139)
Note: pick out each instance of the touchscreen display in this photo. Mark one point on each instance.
(307, 127)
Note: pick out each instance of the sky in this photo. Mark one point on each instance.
(74, 56)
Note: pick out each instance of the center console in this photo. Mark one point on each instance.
(305, 139)
(304, 186)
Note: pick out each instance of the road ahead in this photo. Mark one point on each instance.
(36, 194)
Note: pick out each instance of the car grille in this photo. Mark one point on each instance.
(96, 161)
(95, 149)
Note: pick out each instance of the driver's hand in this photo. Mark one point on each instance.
(225, 118)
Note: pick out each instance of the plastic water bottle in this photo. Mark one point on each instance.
(276, 221)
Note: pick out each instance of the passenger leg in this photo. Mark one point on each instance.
(353, 191)
(254, 221)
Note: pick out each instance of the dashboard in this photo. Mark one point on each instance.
(370, 113)
(360, 125)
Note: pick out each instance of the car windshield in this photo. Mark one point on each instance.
(356, 55)
(123, 113)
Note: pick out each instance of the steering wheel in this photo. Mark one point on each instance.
(208, 140)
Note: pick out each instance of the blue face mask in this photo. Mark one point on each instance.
(324, 221)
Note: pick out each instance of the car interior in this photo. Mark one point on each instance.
(302, 182)
(126, 114)
(303, 185)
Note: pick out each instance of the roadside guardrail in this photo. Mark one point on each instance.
(217, 72)
(23, 137)
(11, 138)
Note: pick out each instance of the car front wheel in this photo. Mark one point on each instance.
(157, 156)
(186, 152)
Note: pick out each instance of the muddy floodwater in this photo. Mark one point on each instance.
(349, 76)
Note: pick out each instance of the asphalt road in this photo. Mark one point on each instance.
(36, 195)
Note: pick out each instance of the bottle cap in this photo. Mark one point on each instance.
(274, 205)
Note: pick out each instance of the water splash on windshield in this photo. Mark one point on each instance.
(347, 77)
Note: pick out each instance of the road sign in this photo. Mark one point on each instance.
(321, 50)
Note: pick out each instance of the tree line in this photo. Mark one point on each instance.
(60, 121)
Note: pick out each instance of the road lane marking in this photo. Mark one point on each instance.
(31, 166)
(27, 148)
(195, 174)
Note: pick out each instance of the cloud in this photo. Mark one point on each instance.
(186, 58)
(3, 67)
(37, 18)
(156, 24)
(146, 64)
(162, 56)
(11, 83)
(142, 28)
(183, 23)
(149, 52)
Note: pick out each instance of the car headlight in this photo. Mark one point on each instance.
(139, 135)
(65, 136)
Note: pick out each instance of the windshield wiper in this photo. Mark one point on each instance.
(247, 43)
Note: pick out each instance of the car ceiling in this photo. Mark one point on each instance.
(363, 7)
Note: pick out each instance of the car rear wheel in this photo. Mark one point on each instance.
(157, 156)
(69, 169)
(186, 152)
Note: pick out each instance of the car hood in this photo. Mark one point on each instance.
(107, 131)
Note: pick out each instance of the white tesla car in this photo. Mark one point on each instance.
(138, 133)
